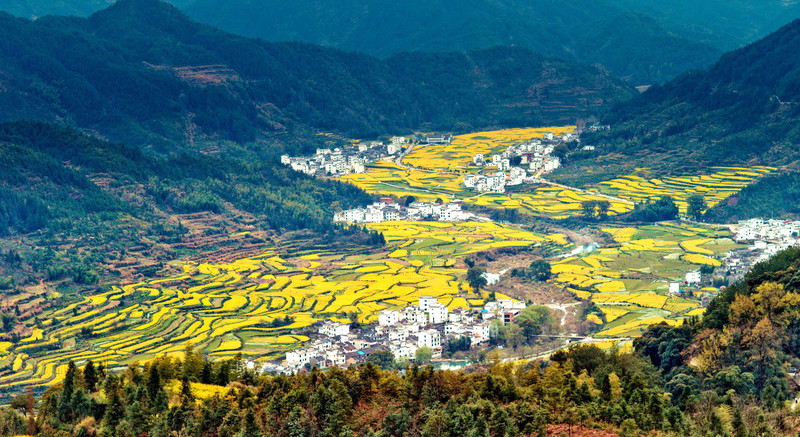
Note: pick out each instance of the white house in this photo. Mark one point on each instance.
(437, 313)
(479, 333)
(388, 318)
(694, 277)
(429, 338)
(469, 181)
(477, 159)
(332, 329)
(425, 302)
(674, 288)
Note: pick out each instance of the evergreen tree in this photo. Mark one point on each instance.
(90, 377)
(65, 413)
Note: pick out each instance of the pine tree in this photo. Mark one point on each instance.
(115, 409)
(65, 400)
(90, 377)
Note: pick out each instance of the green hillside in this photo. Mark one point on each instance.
(71, 204)
(143, 73)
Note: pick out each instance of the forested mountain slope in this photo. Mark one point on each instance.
(568, 30)
(732, 368)
(143, 73)
(742, 111)
(78, 208)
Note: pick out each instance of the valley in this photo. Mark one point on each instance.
(262, 306)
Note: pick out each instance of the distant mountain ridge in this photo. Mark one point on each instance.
(652, 41)
(742, 111)
(141, 72)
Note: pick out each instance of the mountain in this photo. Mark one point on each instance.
(143, 73)
(382, 28)
(742, 111)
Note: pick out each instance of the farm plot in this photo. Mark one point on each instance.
(629, 283)
(387, 179)
(715, 187)
(457, 156)
(250, 306)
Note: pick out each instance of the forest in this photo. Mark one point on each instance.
(142, 73)
(70, 202)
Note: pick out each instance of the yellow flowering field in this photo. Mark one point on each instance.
(242, 306)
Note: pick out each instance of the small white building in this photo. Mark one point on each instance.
(429, 338)
(694, 277)
(478, 159)
(674, 287)
(469, 181)
(333, 329)
(425, 302)
(437, 313)
(388, 318)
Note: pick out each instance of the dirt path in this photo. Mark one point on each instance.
(562, 308)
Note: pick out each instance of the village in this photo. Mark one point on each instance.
(346, 160)
(764, 238)
(535, 156)
(388, 210)
(429, 324)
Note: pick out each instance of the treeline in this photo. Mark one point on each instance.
(279, 197)
(124, 72)
(580, 387)
(730, 370)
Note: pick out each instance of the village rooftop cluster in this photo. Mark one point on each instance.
(401, 332)
(764, 238)
(388, 210)
(346, 160)
(535, 155)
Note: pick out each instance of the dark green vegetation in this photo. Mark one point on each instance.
(743, 110)
(582, 387)
(637, 46)
(143, 73)
(645, 40)
(661, 210)
(86, 203)
(773, 196)
(731, 368)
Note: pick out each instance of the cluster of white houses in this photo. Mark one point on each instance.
(534, 156)
(764, 238)
(402, 332)
(342, 161)
(387, 210)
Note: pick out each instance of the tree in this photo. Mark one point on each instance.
(90, 377)
(540, 270)
(476, 278)
(560, 151)
(602, 209)
(423, 355)
(64, 401)
(697, 204)
(382, 359)
(588, 208)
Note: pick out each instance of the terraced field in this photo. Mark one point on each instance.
(714, 187)
(629, 283)
(457, 156)
(386, 178)
(225, 309)
(438, 171)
